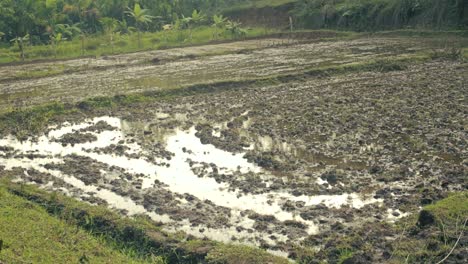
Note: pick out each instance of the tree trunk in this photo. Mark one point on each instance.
(190, 34)
(21, 47)
(139, 39)
(112, 42)
(82, 45)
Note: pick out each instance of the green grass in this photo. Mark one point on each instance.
(100, 45)
(248, 4)
(452, 208)
(39, 73)
(230, 254)
(41, 227)
(429, 244)
(31, 235)
(23, 122)
(345, 253)
(423, 33)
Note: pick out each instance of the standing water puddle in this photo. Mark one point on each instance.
(176, 175)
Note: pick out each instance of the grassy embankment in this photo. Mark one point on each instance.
(100, 45)
(29, 234)
(41, 227)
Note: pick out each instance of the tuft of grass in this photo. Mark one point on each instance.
(432, 242)
(96, 102)
(451, 208)
(32, 120)
(448, 53)
(57, 70)
(345, 253)
(240, 254)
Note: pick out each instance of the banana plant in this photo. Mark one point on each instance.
(61, 32)
(141, 18)
(235, 29)
(55, 40)
(219, 23)
(110, 25)
(21, 43)
(123, 28)
(186, 22)
(197, 19)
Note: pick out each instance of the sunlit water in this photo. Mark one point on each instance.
(178, 177)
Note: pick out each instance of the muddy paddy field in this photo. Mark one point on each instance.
(310, 148)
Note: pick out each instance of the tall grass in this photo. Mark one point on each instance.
(381, 14)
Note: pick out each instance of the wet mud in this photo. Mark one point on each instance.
(271, 165)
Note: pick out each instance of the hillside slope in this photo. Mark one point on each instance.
(361, 15)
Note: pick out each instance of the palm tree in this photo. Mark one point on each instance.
(219, 22)
(141, 17)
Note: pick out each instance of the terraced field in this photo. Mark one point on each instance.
(281, 147)
(75, 80)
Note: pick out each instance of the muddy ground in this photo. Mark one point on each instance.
(75, 80)
(273, 164)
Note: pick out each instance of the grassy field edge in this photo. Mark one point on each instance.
(136, 238)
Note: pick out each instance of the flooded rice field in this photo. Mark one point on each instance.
(269, 164)
(174, 181)
(74, 80)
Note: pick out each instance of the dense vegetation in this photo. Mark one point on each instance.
(362, 15)
(381, 14)
(119, 25)
(72, 28)
(41, 18)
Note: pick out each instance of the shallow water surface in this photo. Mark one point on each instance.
(176, 175)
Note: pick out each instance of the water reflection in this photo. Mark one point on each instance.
(175, 173)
